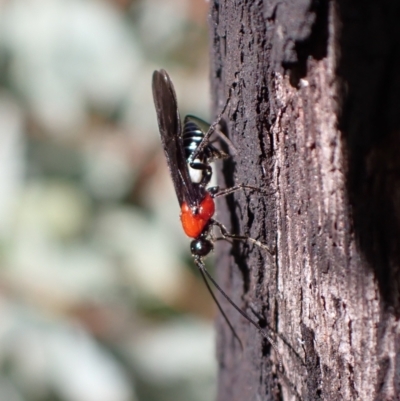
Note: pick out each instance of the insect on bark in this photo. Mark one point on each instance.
(189, 153)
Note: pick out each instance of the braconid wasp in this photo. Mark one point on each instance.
(189, 153)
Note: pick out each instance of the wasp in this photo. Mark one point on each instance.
(189, 153)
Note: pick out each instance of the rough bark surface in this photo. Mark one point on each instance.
(314, 117)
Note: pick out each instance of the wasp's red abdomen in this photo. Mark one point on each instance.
(193, 224)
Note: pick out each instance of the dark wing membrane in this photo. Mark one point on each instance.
(169, 124)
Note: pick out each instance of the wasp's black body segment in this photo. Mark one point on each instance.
(194, 130)
(181, 146)
(192, 137)
(169, 123)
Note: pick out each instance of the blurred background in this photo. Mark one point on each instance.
(99, 298)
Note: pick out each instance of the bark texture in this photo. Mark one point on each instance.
(314, 116)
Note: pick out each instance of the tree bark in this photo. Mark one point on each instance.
(314, 117)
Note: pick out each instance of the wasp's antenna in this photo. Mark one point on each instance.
(204, 271)
(200, 267)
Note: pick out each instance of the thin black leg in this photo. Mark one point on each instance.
(226, 234)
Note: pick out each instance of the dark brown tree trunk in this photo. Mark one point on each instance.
(314, 117)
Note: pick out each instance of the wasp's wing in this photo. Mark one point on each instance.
(170, 130)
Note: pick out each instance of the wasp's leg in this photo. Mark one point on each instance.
(212, 128)
(226, 234)
(216, 191)
(227, 141)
